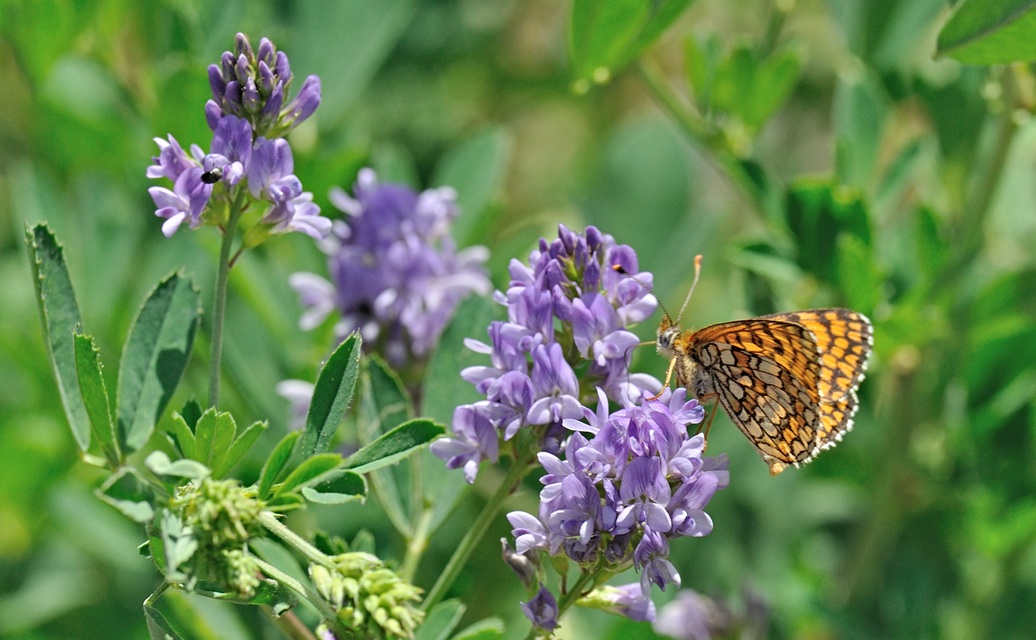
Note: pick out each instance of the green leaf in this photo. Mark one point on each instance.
(340, 489)
(818, 214)
(269, 593)
(60, 317)
(155, 356)
(309, 471)
(275, 464)
(984, 32)
(487, 629)
(95, 397)
(157, 626)
(181, 435)
(191, 413)
(605, 36)
(386, 404)
(394, 445)
(331, 397)
(441, 620)
(238, 450)
(159, 462)
(129, 493)
(214, 435)
(172, 545)
(476, 169)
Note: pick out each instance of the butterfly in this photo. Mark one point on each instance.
(787, 380)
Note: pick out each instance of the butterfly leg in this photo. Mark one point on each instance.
(668, 377)
(710, 418)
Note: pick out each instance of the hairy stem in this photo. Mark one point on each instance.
(219, 305)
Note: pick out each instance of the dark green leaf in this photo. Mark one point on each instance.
(394, 445)
(158, 462)
(476, 169)
(191, 413)
(95, 397)
(309, 471)
(340, 489)
(386, 403)
(269, 593)
(154, 358)
(441, 620)
(275, 463)
(157, 626)
(331, 397)
(819, 213)
(238, 450)
(129, 493)
(986, 32)
(59, 315)
(605, 36)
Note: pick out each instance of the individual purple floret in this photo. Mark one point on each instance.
(396, 277)
(542, 609)
(566, 333)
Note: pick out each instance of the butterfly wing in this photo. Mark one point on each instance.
(843, 338)
(766, 374)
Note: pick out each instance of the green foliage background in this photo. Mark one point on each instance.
(828, 159)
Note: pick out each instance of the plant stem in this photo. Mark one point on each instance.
(310, 596)
(416, 546)
(219, 305)
(702, 134)
(269, 520)
(478, 529)
(290, 625)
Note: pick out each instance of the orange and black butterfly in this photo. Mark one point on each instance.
(787, 380)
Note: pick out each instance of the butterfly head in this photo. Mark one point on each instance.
(668, 334)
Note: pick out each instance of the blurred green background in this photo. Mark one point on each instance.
(814, 152)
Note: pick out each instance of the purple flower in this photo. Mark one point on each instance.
(692, 616)
(185, 202)
(625, 600)
(476, 440)
(566, 332)
(254, 86)
(542, 609)
(396, 275)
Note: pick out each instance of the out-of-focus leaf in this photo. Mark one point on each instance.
(984, 32)
(487, 629)
(155, 356)
(441, 620)
(331, 397)
(340, 489)
(172, 545)
(818, 213)
(129, 493)
(275, 464)
(444, 389)
(860, 110)
(95, 397)
(384, 405)
(394, 445)
(59, 314)
(310, 470)
(603, 37)
(476, 169)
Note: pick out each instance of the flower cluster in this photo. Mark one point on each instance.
(566, 333)
(367, 597)
(248, 157)
(630, 481)
(397, 276)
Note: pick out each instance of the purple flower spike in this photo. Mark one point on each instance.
(542, 609)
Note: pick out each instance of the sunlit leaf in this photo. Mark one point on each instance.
(331, 397)
(984, 32)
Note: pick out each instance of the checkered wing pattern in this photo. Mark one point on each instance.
(788, 381)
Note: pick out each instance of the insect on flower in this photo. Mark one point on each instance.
(787, 380)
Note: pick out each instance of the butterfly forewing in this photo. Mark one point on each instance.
(765, 373)
(787, 380)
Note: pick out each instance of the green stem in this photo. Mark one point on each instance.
(269, 520)
(573, 594)
(416, 546)
(478, 529)
(702, 134)
(219, 305)
(310, 596)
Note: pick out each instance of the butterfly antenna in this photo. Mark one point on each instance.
(618, 268)
(697, 274)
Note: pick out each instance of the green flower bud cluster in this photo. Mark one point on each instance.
(368, 596)
(222, 517)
